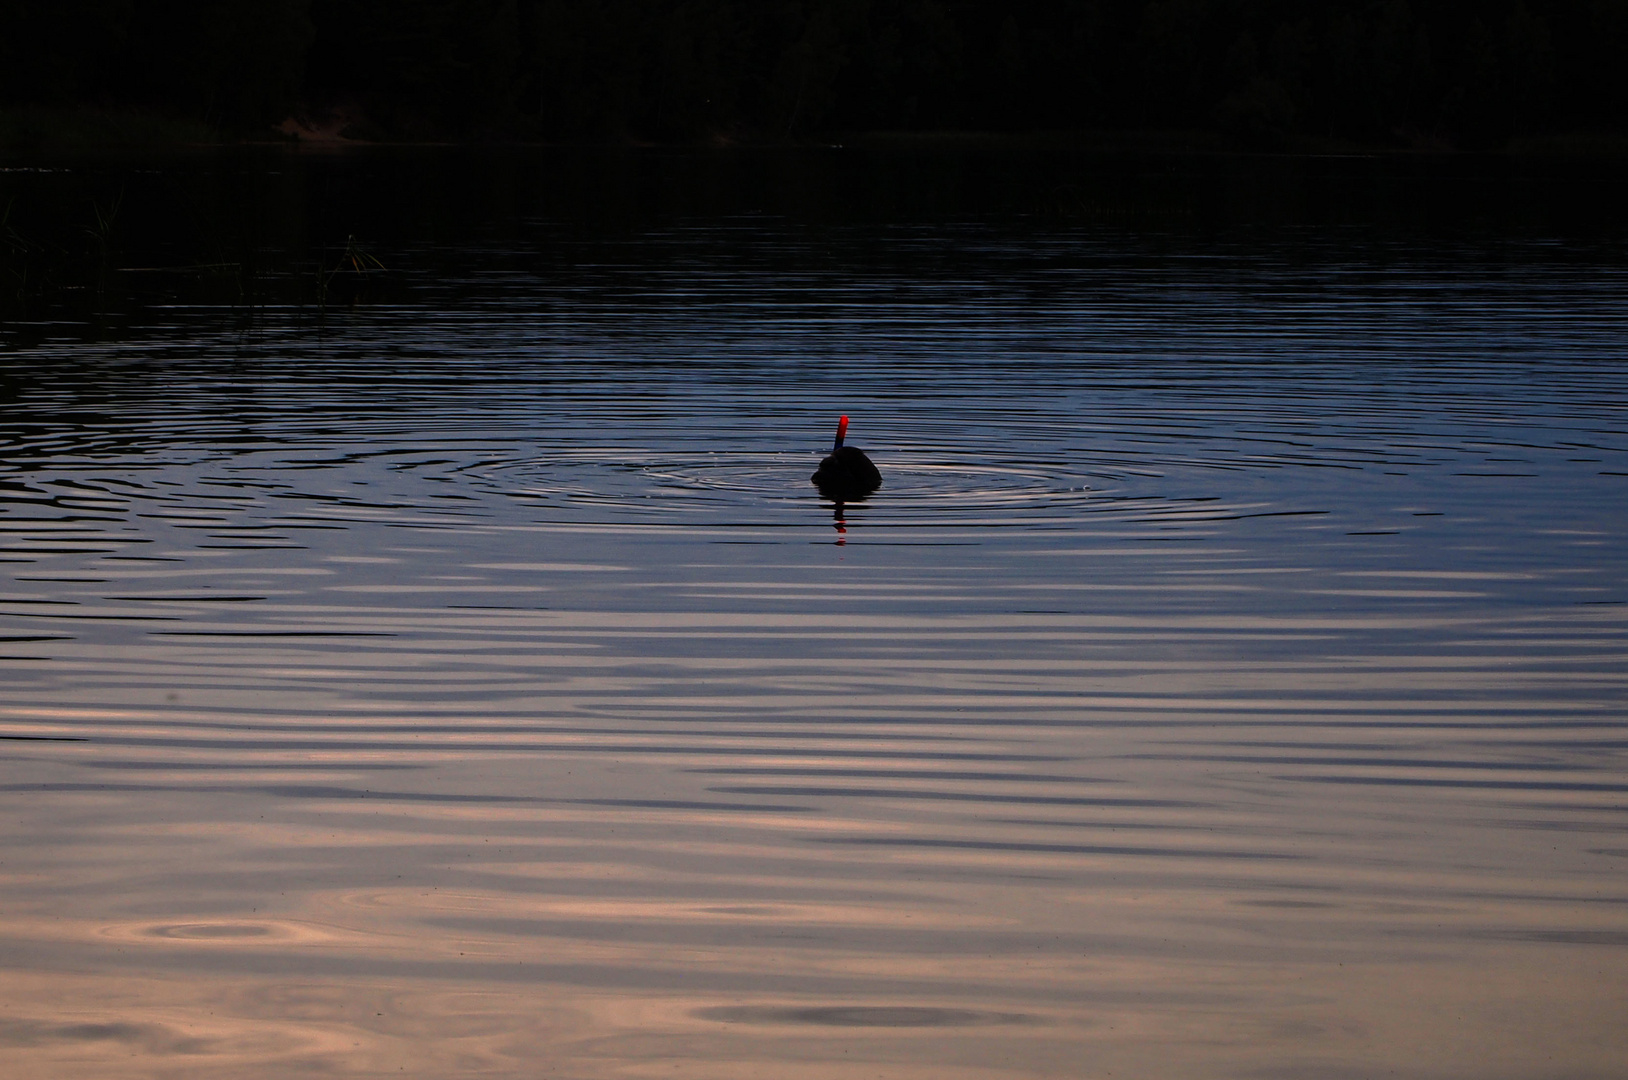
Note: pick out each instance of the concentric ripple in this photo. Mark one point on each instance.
(637, 483)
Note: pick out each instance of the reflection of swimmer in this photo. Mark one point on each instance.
(847, 473)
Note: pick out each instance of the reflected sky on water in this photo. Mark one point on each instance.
(451, 670)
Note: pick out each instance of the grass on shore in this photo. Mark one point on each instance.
(38, 127)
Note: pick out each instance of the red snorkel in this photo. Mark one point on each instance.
(842, 429)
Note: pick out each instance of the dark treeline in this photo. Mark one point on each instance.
(1467, 73)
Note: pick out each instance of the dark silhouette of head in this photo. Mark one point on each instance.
(846, 474)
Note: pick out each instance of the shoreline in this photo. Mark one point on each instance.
(30, 130)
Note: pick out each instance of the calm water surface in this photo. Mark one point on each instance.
(459, 676)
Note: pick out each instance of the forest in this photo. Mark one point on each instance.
(1448, 74)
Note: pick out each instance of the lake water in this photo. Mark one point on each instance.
(449, 670)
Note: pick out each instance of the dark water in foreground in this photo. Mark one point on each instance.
(1228, 680)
